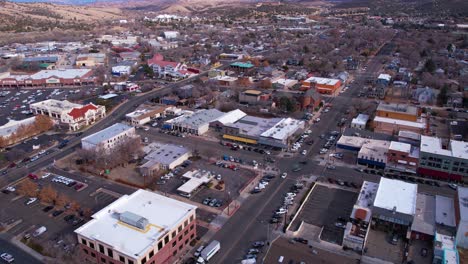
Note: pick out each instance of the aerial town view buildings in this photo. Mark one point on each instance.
(241, 132)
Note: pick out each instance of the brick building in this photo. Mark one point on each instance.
(141, 228)
(402, 157)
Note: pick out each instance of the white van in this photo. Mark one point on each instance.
(41, 230)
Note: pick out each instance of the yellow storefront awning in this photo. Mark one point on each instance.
(240, 139)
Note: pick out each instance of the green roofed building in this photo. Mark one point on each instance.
(246, 65)
(241, 66)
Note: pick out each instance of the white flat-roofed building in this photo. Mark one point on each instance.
(171, 34)
(384, 77)
(401, 147)
(280, 134)
(163, 157)
(46, 78)
(75, 116)
(195, 179)
(109, 137)
(373, 153)
(199, 122)
(395, 202)
(351, 143)
(143, 227)
(228, 118)
(121, 70)
(61, 73)
(447, 160)
(360, 121)
(283, 83)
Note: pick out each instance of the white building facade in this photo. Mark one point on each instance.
(107, 139)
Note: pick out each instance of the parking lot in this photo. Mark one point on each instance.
(83, 196)
(233, 182)
(14, 103)
(421, 252)
(379, 246)
(325, 207)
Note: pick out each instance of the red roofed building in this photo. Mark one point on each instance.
(170, 69)
(73, 115)
(83, 116)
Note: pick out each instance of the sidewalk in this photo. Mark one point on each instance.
(28, 250)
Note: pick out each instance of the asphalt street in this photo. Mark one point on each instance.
(250, 223)
(19, 255)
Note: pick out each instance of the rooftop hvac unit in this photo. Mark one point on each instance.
(134, 220)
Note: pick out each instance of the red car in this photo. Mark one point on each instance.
(78, 186)
(33, 176)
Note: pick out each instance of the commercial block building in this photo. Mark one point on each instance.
(392, 118)
(395, 204)
(355, 234)
(249, 96)
(75, 116)
(373, 153)
(141, 228)
(360, 121)
(49, 78)
(163, 157)
(447, 162)
(90, 59)
(108, 138)
(199, 122)
(322, 85)
(275, 132)
(402, 157)
(144, 114)
(399, 111)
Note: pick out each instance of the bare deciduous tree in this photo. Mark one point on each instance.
(28, 188)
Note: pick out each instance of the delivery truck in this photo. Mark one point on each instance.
(208, 252)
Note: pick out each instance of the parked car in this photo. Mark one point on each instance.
(160, 182)
(423, 252)
(206, 201)
(41, 230)
(57, 213)
(258, 244)
(47, 208)
(7, 257)
(301, 240)
(31, 200)
(33, 176)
